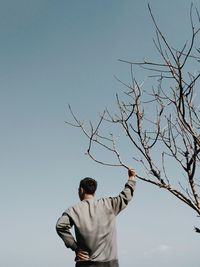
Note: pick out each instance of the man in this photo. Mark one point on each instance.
(94, 223)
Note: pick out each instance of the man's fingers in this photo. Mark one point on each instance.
(131, 172)
(83, 255)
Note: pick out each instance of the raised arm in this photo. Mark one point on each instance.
(122, 200)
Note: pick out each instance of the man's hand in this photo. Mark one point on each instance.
(131, 174)
(82, 255)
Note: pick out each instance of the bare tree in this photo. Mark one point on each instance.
(160, 118)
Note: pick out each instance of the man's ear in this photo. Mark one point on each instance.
(82, 191)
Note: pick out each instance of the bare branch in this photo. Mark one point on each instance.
(159, 120)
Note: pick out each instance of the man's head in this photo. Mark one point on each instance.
(87, 187)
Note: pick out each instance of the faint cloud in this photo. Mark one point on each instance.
(162, 248)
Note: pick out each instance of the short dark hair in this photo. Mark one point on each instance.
(89, 185)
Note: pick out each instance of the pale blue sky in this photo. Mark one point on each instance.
(57, 52)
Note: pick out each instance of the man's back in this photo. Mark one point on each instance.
(94, 222)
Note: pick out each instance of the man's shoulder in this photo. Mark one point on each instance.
(76, 205)
(72, 208)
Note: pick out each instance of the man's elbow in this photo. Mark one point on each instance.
(59, 227)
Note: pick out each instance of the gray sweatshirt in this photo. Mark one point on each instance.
(95, 225)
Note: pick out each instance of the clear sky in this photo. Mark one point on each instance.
(55, 52)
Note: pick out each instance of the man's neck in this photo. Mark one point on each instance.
(88, 196)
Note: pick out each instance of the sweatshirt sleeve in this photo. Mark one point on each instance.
(63, 226)
(121, 201)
